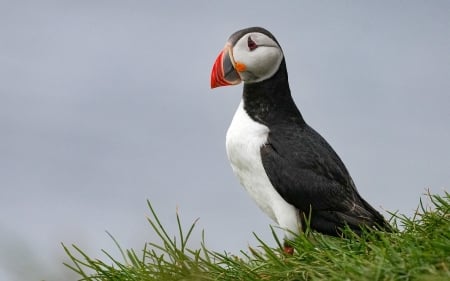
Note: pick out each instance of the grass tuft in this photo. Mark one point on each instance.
(421, 251)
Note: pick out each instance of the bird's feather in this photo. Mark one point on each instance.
(308, 174)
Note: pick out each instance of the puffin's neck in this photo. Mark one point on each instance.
(270, 102)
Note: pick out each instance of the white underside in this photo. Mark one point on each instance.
(244, 139)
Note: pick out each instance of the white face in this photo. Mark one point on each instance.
(256, 57)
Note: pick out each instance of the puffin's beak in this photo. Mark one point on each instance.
(224, 72)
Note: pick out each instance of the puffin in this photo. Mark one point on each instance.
(289, 169)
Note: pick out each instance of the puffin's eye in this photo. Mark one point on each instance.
(251, 44)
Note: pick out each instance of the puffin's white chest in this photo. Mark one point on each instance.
(244, 139)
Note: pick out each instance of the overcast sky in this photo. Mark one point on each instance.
(104, 104)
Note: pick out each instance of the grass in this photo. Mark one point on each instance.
(420, 251)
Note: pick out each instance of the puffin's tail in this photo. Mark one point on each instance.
(378, 221)
(357, 218)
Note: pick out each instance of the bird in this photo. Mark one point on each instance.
(289, 169)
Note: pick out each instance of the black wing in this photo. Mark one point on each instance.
(308, 174)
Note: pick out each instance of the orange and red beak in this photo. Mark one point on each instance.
(224, 71)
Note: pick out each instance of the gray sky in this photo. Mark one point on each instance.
(104, 104)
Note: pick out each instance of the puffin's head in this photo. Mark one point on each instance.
(250, 55)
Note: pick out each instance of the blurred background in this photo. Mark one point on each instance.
(105, 104)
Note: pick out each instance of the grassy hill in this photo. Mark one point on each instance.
(420, 251)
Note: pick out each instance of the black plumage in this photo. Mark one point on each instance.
(301, 165)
